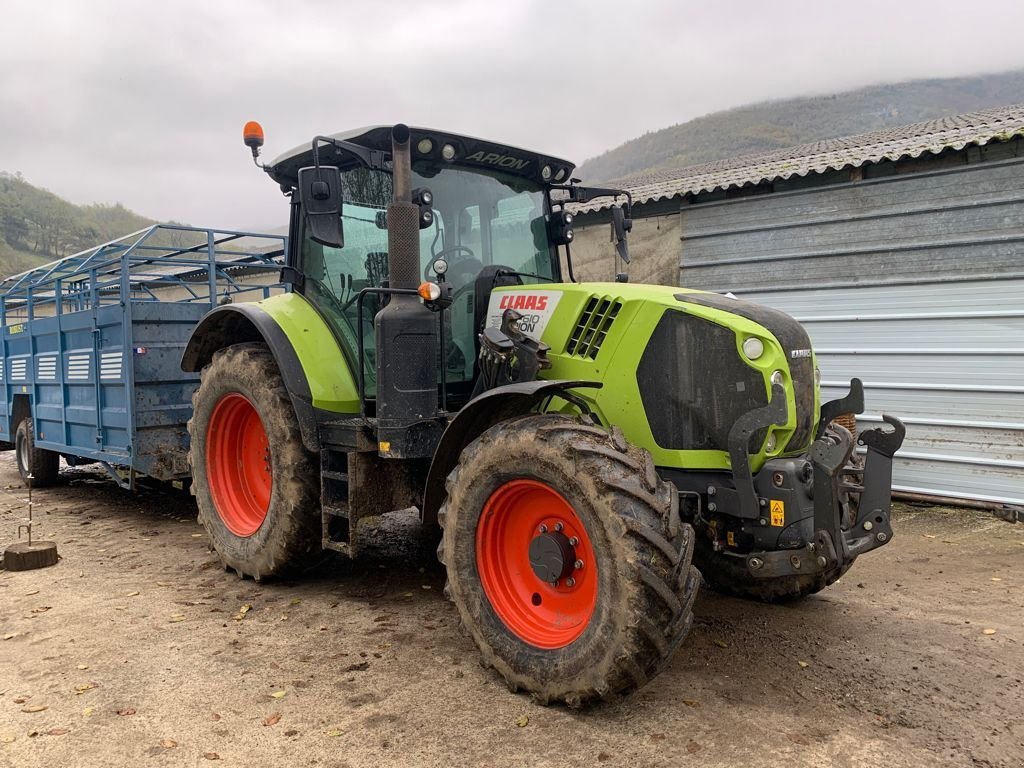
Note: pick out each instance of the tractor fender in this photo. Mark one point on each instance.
(240, 323)
(476, 417)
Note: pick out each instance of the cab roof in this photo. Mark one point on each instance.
(469, 152)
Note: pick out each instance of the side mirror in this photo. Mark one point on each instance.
(321, 200)
(621, 226)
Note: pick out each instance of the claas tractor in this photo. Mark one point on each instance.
(588, 450)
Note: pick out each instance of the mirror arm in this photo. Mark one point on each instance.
(586, 194)
(371, 158)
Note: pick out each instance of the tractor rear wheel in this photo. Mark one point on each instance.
(566, 558)
(42, 465)
(255, 483)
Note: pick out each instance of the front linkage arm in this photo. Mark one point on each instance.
(872, 529)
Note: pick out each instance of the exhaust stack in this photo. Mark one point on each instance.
(403, 218)
(406, 331)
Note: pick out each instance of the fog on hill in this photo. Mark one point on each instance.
(779, 124)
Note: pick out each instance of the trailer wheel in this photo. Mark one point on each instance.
(566, 558)
(43, 465)
(255, 483)
(730, 576)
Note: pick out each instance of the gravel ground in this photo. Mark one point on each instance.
(138, 649)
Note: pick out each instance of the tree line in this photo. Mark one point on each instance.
(37, 226)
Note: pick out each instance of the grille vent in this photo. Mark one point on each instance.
(592, 327)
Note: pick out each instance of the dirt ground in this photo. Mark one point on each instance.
(137, 649)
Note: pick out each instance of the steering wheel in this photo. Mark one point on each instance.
(467, 264)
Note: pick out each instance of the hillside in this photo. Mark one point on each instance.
(778, 124)
(37, 226)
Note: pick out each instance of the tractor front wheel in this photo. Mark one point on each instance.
(566, 558)
(255, 483)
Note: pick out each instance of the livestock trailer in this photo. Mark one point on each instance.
(92, 343)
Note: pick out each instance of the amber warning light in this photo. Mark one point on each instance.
(429, 291)
(252, 134)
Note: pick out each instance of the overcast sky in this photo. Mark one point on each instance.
(143, 103)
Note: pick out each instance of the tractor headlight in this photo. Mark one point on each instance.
(778, 377)
(753, 348)
(448, 152)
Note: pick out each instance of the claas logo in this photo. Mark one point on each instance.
(524, 301)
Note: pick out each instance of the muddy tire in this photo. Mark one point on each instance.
(255, 484)
(630, 603)
(43, 465)
(729, 576)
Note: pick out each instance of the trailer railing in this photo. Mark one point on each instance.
(165, 262)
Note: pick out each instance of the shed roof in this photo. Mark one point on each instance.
(934, 136)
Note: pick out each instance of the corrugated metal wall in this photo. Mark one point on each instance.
(915, 284)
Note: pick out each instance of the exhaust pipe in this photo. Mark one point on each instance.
(406, 331)
(403, 218)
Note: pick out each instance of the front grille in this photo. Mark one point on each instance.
(796, 345)
(592, 327)
(694, 385)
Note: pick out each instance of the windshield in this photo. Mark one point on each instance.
(483, 225)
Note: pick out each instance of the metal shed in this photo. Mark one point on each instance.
(901, 251)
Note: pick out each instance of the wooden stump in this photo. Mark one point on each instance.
(26, 557)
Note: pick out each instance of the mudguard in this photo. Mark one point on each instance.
(478, 415)
(313, 367)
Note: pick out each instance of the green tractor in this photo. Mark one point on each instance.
(585, 447)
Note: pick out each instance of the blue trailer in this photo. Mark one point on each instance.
(92, 344)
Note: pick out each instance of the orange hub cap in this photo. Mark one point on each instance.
(238, 464)
(536, 564)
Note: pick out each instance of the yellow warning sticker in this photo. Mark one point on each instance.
(730, 539)
(384, 446)
(778, 513)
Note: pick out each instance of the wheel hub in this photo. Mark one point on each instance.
(552, 556)
(238, 464)
(536, 563)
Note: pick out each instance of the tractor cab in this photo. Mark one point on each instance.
(486, 220)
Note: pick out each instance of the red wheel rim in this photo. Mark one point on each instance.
(539, 613)
(238, 464)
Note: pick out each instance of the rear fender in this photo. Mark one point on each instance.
(240, 323)
(479, 415)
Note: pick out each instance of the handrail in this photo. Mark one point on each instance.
(139, 263)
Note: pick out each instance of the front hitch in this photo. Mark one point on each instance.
(837, 538)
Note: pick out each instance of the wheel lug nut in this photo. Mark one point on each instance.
(559, 526)
(543, 528)
(578, 565)
(570, 582)
(573, 541)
